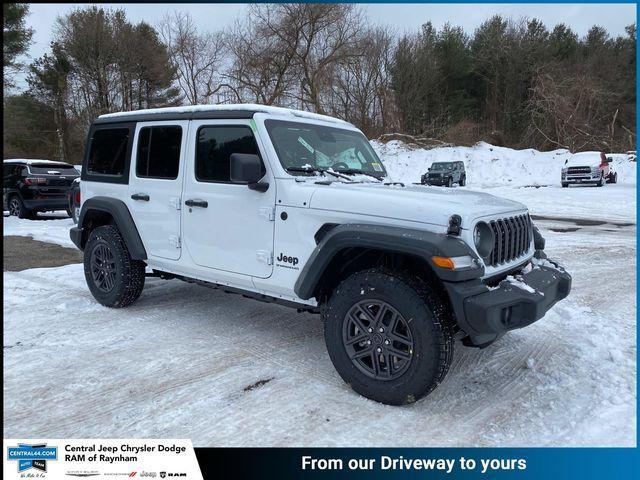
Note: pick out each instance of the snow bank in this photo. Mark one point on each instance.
(51, 228)
(487, 165)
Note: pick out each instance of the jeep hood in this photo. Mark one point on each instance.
(430, 205)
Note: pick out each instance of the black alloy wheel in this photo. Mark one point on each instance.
(15, 207)
(103, 267)
(377, 339)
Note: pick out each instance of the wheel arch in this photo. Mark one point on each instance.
(348, 248)
(99, 211)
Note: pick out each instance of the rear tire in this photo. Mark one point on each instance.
(114, 278)
(17, 208)
(414, 322)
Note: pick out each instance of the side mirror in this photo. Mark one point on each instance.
(609, 159)
(246, 169)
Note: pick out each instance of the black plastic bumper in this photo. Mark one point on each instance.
(47, 204)
(485, 313)
(75, 233)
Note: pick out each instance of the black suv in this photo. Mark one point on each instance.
(30, 186)
(445, 173)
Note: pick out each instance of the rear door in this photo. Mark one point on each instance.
(155, 185)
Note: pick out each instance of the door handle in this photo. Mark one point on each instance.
(196, 203)
(140, 196)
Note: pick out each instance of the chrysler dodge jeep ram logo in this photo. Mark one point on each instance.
(286, 261)
(32, 456)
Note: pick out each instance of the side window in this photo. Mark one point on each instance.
(108, 152)
(159, 152)
(215, 146)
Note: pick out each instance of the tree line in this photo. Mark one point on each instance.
(511, 82)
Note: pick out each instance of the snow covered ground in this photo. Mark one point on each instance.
(528, 176)
(189, 362)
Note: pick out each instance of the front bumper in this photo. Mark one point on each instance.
(581, 178)
(485, 312)
(436, 181)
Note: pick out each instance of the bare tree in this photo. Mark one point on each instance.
(197, 57)
(361, 91)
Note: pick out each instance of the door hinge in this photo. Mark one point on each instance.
(265, 256)
(175, 241)
(175, 202)
(267, 212)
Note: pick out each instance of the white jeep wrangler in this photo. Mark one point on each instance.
(296, 208)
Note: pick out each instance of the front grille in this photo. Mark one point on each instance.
(572, 170)
(512, 238)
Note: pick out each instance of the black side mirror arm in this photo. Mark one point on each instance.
(259, 186)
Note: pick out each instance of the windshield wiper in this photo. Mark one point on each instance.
(311, 169)
(354, 171)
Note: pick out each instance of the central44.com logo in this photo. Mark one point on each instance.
(32, 456)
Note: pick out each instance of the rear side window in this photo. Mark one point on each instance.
(159, 152)
(108, 152)
(215, 146)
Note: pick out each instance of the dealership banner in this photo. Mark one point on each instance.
(96, 458)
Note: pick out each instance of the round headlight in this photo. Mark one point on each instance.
(483, 239)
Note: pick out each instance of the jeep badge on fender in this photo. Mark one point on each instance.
(393, 282)
(283, 258)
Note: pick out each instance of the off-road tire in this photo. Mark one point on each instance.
(17, 208)
(427, 317)
(129, 273)
(463, 181)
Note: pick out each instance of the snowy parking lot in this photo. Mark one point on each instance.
(188, 362)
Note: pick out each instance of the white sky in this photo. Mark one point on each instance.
(401, 17)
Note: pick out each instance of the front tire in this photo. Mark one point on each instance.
(114, 278)
(388, 336)
(450, 182)
(463, 181)
(565, 185)
(601, 182)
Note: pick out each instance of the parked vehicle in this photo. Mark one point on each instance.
(445, 173)
(588, 167)
(73, 200)
(295, 208)
(31, 186)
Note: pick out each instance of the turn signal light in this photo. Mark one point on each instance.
(453, 263)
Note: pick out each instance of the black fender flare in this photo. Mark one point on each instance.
(122, 219)
(419, 243)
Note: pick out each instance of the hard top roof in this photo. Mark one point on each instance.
(225, 111)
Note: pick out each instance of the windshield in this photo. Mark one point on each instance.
(52, 169)
(305, 146)
(442, 166)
